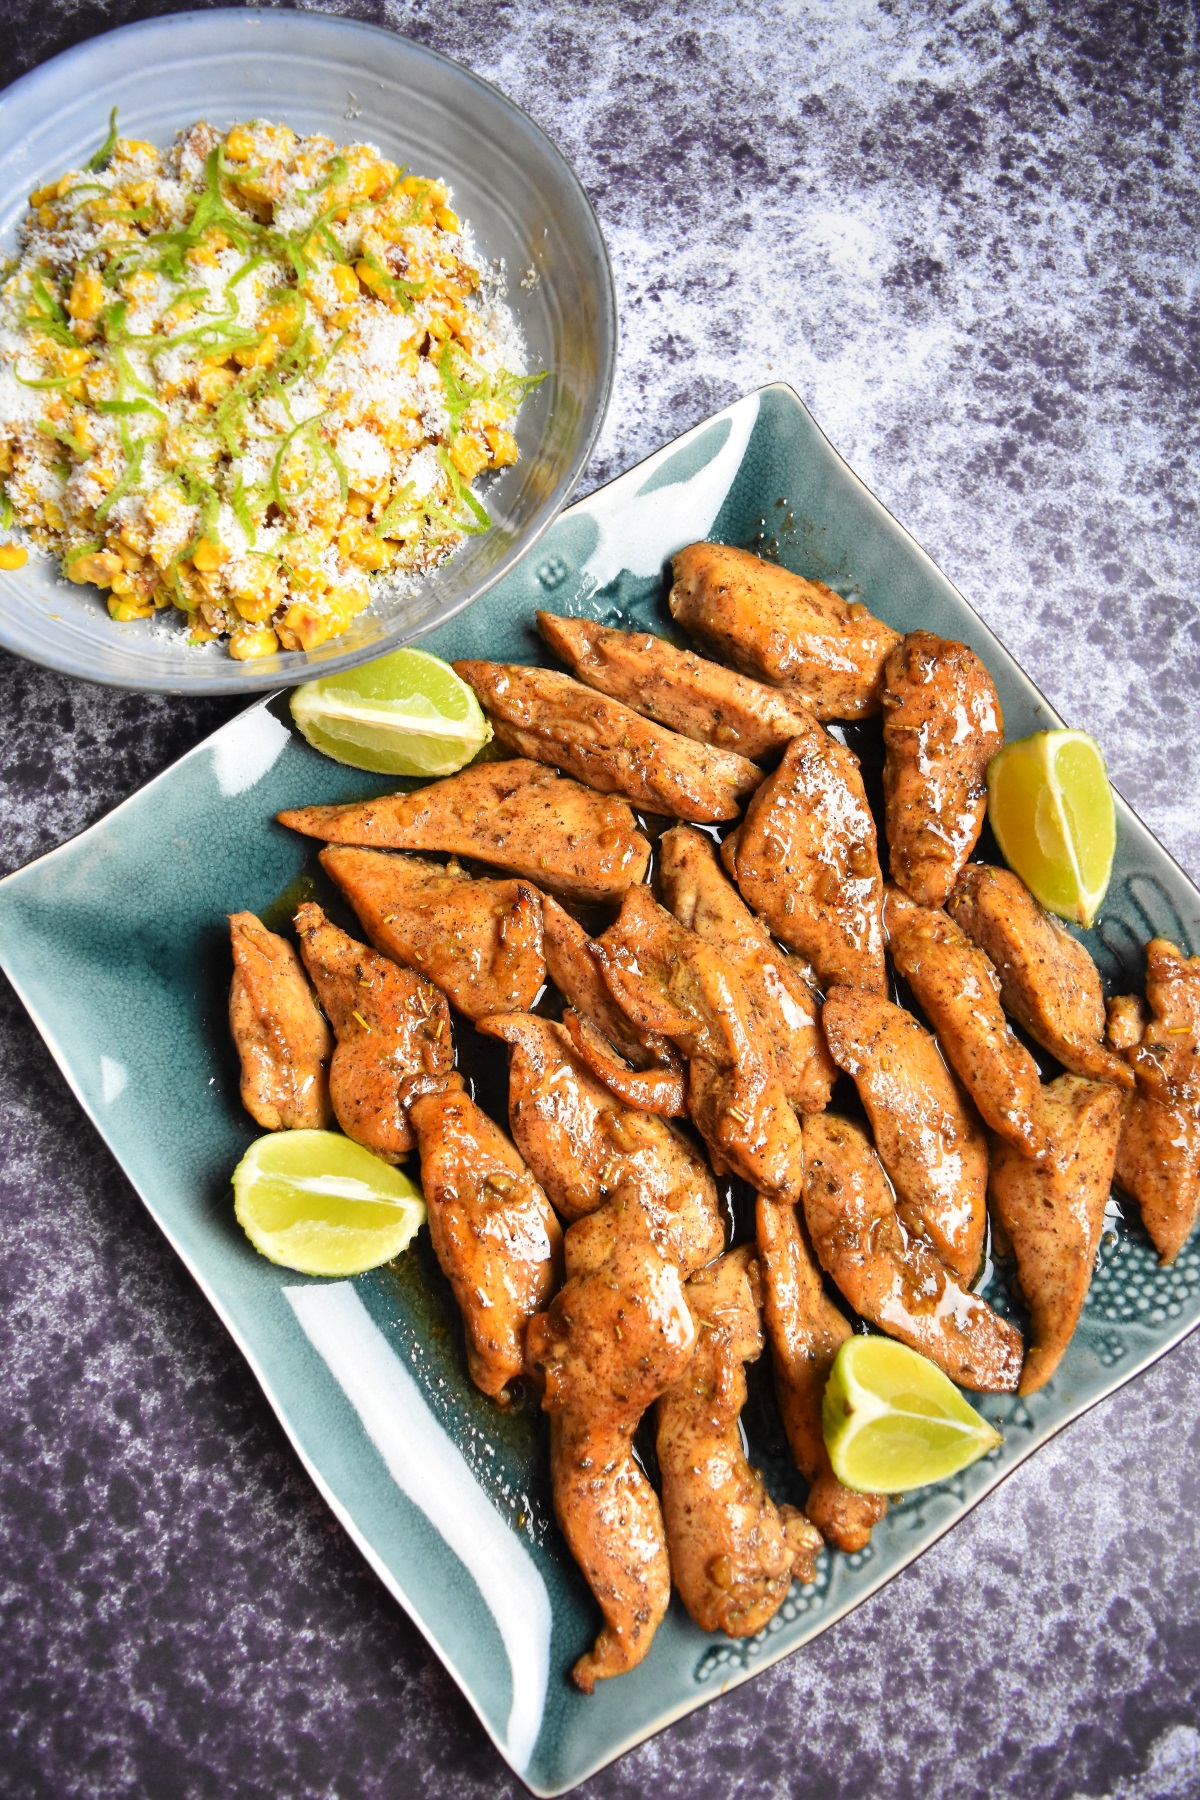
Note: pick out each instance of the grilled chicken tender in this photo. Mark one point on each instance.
(493, 1231)
(555, 719)
(927, 1135)
(959, 992)
(1158, 1155)
(677, 688)
(1053, 1212)
(806, 1331)
(697, 891)
(806, 860)
(796, 634)
(282, 1040)
(588, 1150)
(668, 979)
(1048, 982)
(733, 1553)
(576, 974)
(479, 941)
(392, 1029)
(617, 1336)
(517, 816)
(894, 1280)
(942, 725)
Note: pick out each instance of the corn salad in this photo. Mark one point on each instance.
(246, 375)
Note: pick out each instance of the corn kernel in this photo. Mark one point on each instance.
(361, 547)
(212, 384)
(468, 456)
(13, 556)
(99, 567)
(503, 446)
(447, 218)
(249, 641)
(345, 281)
(130, 147)
(208, 556)
(40, 195)
(260, 355)
(53, 515)
(240, 143)
(125, 607)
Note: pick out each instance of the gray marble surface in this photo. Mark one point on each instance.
(967, 234)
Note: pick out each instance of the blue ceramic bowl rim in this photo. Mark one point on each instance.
(242, 678)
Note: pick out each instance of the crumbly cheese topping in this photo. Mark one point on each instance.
(247, 375)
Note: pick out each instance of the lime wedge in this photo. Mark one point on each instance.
(893, 1421)
(404, 714)
(315, 1201)
(1051, 809)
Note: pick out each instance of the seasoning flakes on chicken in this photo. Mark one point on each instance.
(480, 941)
(783, 629)
(516, 816)
(1048, 982)
(941, 727)
(1158, 1156)
(282, 1040)
(926, 1132)
(554, 719)
(806, 860)
(392, 1028)
(493, 1231)
(890, 1278)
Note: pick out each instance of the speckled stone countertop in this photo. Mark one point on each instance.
(966, 232)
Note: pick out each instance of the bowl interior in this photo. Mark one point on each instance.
(353, 82)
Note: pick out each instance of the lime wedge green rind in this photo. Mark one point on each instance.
(407, 713)
(892, 1421)
(316, 1202)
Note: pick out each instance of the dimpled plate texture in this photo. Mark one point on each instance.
(352, 82)
(116, 944)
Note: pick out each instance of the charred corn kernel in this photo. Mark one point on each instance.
(99, 567)
(503, 446)
(53, 515)
(240, 144)
(249, 641)
(126, 607)
(469, 456)
(130, 558)
(208, 556)
(13, 556)
(260, 355)
(361, 547)
(88, 294)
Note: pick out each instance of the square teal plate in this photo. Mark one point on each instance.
(116, 944)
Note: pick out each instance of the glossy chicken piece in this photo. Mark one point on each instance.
(892, 1279)
(668, 979)
(806, 860)
(927, 1135)
(617, 1336)
(517, 816)
(793, 633)
(480, 941)
(1052, 1212)
(556, 720)
(493, 1231)
(588, 1150)
(676, 687)
(1158, 1155)
(392, 1029)
(731, 1557)
(1048, 982)
(941, 727)
(697, 891)
(282, 1040)
(662, 1090)
(805, 1331)
(959, 992)
(576, 974)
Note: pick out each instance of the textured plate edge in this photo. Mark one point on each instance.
(162, 24)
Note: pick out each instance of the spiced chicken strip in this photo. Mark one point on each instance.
(958, 990)
(733, 1552)
(1048, 982)
(1158, 1156)
(392, 1029)
(793, 633)
(554, 719)
(480, 941)
(1052, 1212)
(676, 687)
(667, 979)
(927, 1135)
(493, 1231)
(807, 862)
(588, 1150)
(616, 1336)
(702, 898)
(576, 974)
(517, 816)
(942, 725)
(281, 1038)
(892, 1279)
(806, 1331)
